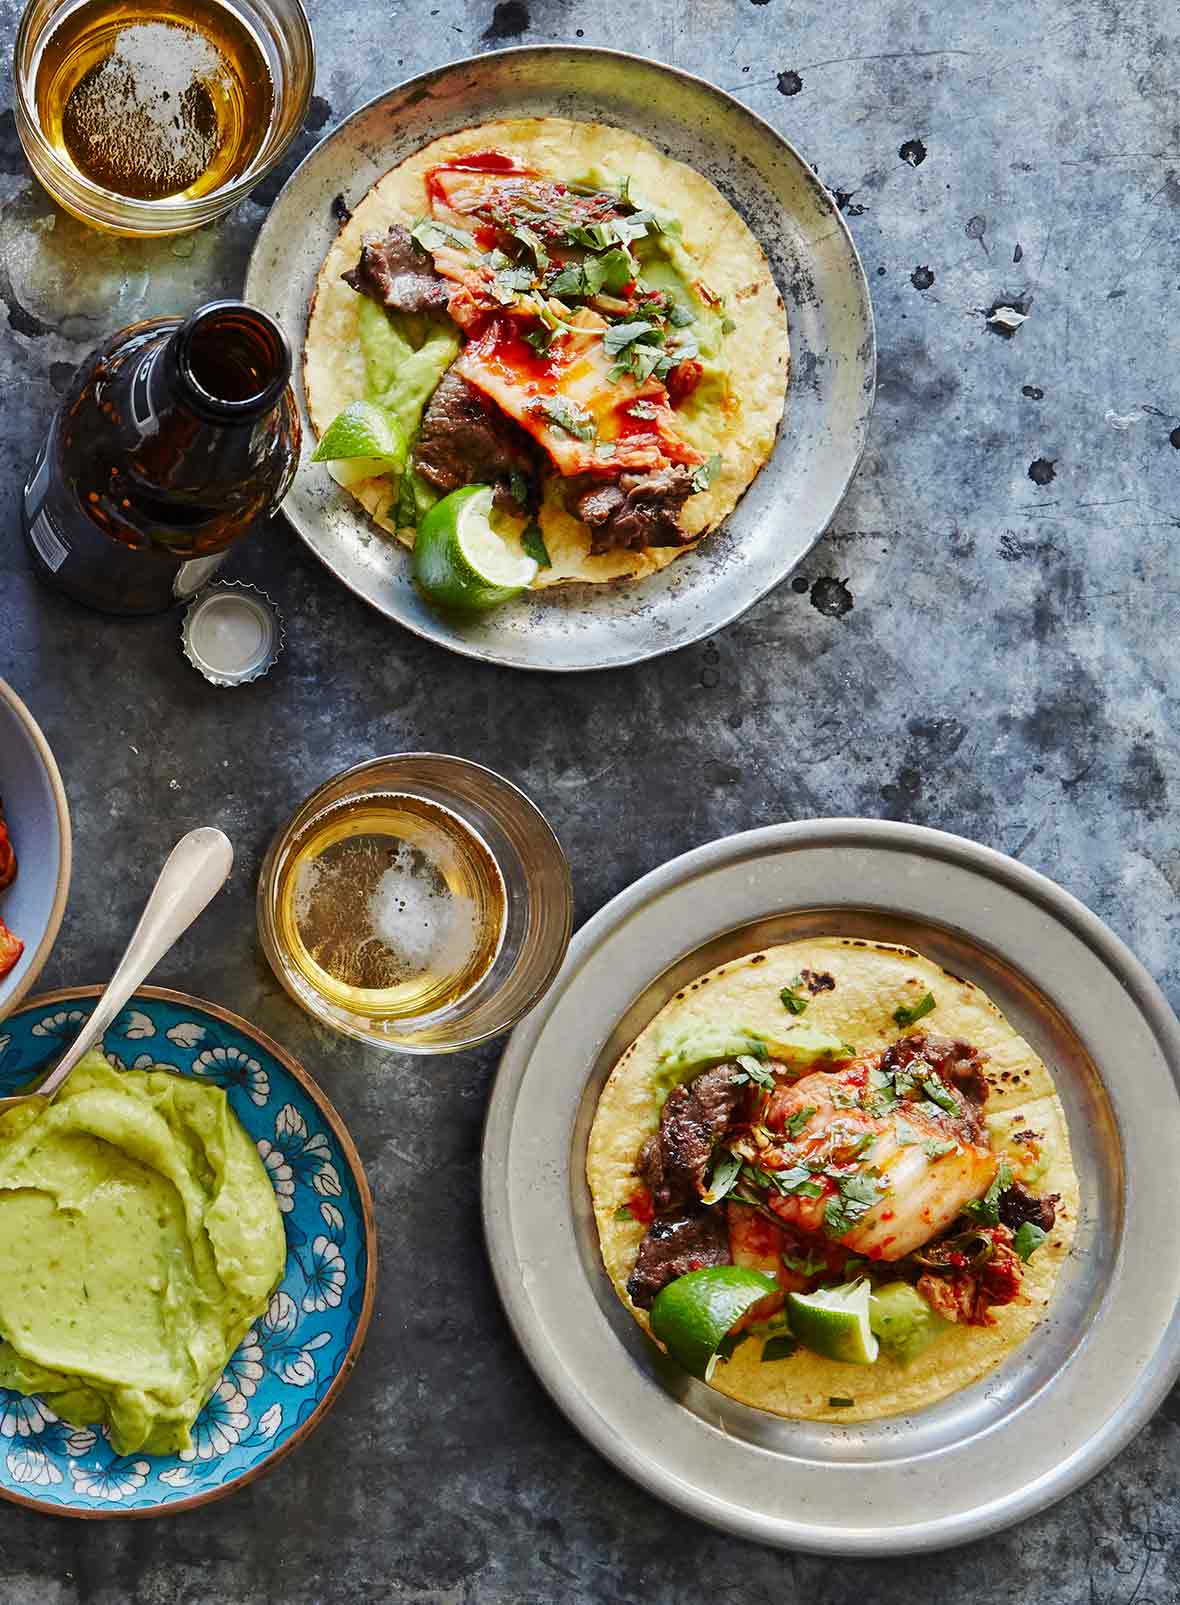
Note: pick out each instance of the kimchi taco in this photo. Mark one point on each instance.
(559, 312)
(833, 1181)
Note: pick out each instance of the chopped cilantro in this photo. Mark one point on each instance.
(934, 1149)
(1028, 1239)
(799, 1119)
(533, 245)
(606, 449)
(907, 1135)
(752, 1070)
(987, 1208)
(797, 1182)
(678, 314)
(936, 1089)
(726, 1170)
(430, 236)
(594, 236)
(791, 1000)
(624, 1212)
(567, 415)
(855, 1196)
(728, 325)
(906, 1015)
(702, 477)
(643, 409)
(618, 270)
(532, 542)
(540, 338)
(845, 1098)
(780, 1347)
(569, 281)
(804, 1267)
(621, 335)
(508, 281)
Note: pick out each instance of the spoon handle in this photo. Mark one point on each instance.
(196, 869)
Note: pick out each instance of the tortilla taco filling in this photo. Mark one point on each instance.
(572, 357)
(880, 1163)
(553, 335)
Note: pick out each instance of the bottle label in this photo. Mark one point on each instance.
(52, 549)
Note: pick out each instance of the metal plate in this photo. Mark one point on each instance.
(1059, 1406)
(833, 351)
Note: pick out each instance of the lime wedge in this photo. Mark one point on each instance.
(362, 442)
(834, 1322)
(461, 561)
(693, 1314)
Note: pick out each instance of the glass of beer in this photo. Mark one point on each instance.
(151, 117)
(418, 902)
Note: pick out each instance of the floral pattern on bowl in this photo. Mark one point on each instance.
(308, 1337)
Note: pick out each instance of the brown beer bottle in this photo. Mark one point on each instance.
(172, 441)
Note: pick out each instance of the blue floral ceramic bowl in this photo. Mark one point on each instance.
(292, 1363)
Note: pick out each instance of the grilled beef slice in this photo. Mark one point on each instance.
(396, 274)
(464, 440)
(688, 1240)
(633, 511)
(1017, 1204)
(674, 1162)
(956, 1063)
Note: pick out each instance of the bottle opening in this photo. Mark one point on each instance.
(233, 359)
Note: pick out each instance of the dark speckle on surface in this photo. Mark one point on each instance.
(831, 597)
(789, 82)
(922, 278)
(800, 585)
(913, 152)
(1033, 392)
(1018, 253)
(1043, 471)
(1174, 437)
(509, 20)
(976, 229)
(341, 210)
(845, 203)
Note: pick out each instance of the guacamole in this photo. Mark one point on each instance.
(139, 1239)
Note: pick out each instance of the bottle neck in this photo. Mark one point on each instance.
(228, 362)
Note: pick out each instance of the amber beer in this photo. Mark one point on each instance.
(174, 439)
(154, 101)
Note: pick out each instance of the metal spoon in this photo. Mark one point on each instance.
(195, 871)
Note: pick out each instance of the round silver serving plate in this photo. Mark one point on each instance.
(1059, 1406)
(833, 352)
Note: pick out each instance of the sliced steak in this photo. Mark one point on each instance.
(635, 510)
(674, 1162)
(957, 1063)
(1019, 1204)
(675, 1244)
(465, 440)
(396, 274)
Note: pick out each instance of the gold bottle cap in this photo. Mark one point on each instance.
(232, 633)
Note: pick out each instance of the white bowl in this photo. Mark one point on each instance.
(38, 819)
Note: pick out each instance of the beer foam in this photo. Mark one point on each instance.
(138, 111)
(421, 919)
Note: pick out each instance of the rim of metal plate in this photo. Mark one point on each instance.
(1058, 1407)
(816, 267)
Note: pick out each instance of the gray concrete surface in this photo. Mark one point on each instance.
(980, 643)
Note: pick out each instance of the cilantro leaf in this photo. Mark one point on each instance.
(907, 1135)
(799, 1119)
(618, 270)
(791, 1000)
(621, 335)
(726, 1170)
(728, 325)
(624, 1212)
(936, 1089)
(678, 314)
(798, 1182)
(780, 1347)
(533, 244)
(508, 281)
(540, 338)
(906, 1015)
(643, 409)
(567, 415)
(987, 1208)
(804, 1267)
(1029, 1237)
(430, 236)
(752, 1070)
(532, 542)
(855, 1196)
(703, 476)
(934, 1149)
(569, 281)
